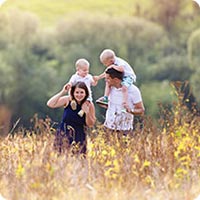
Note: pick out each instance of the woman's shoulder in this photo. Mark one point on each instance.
(66, 101)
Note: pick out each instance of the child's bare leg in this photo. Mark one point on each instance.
(104, 100)
(106, 94)
(107, 91)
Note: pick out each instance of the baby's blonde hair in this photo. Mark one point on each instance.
(81, 62)
(106, 55)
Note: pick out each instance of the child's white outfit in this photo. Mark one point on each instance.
(129, 75)
(88, 79)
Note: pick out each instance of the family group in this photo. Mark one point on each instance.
(122, 99)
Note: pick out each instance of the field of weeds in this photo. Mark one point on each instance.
(155, 162)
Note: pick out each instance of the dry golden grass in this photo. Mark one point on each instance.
(157, 162)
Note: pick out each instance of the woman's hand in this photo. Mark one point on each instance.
(86, 107)
(89, 110)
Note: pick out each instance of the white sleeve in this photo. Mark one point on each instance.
(72, 80)
(136, 96)
(91, 79)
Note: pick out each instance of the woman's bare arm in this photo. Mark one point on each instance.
(89, 109)
(58, 100)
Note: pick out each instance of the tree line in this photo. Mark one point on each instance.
(35, 62)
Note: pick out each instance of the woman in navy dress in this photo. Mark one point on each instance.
(78, 114)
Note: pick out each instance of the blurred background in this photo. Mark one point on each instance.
(41, 40)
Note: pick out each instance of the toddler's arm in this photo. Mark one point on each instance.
(94, 81)
(118, 68)
(101, 76)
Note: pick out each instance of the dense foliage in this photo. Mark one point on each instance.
(39, 44)
(160, 42)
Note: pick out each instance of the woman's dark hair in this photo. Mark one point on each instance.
(114, 73)
(83, 86)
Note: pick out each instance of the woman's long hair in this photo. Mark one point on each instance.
(83, 86)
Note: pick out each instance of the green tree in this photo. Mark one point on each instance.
(136, 40)
(171, 68)
(194, 61)
(26, 74)
(155, 93)
(167, 13)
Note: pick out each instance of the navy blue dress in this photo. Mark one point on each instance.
(71, 130)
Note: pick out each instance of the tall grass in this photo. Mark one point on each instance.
(155, 162)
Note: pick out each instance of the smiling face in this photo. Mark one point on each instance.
(114, 77)
(110, 81)
(82, 67)
(79, 94)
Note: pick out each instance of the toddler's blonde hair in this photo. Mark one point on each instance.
(106, 55)
(82, 62)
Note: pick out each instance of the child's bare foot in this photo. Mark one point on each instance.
(73, 105)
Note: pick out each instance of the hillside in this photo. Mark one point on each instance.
(50, 12)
